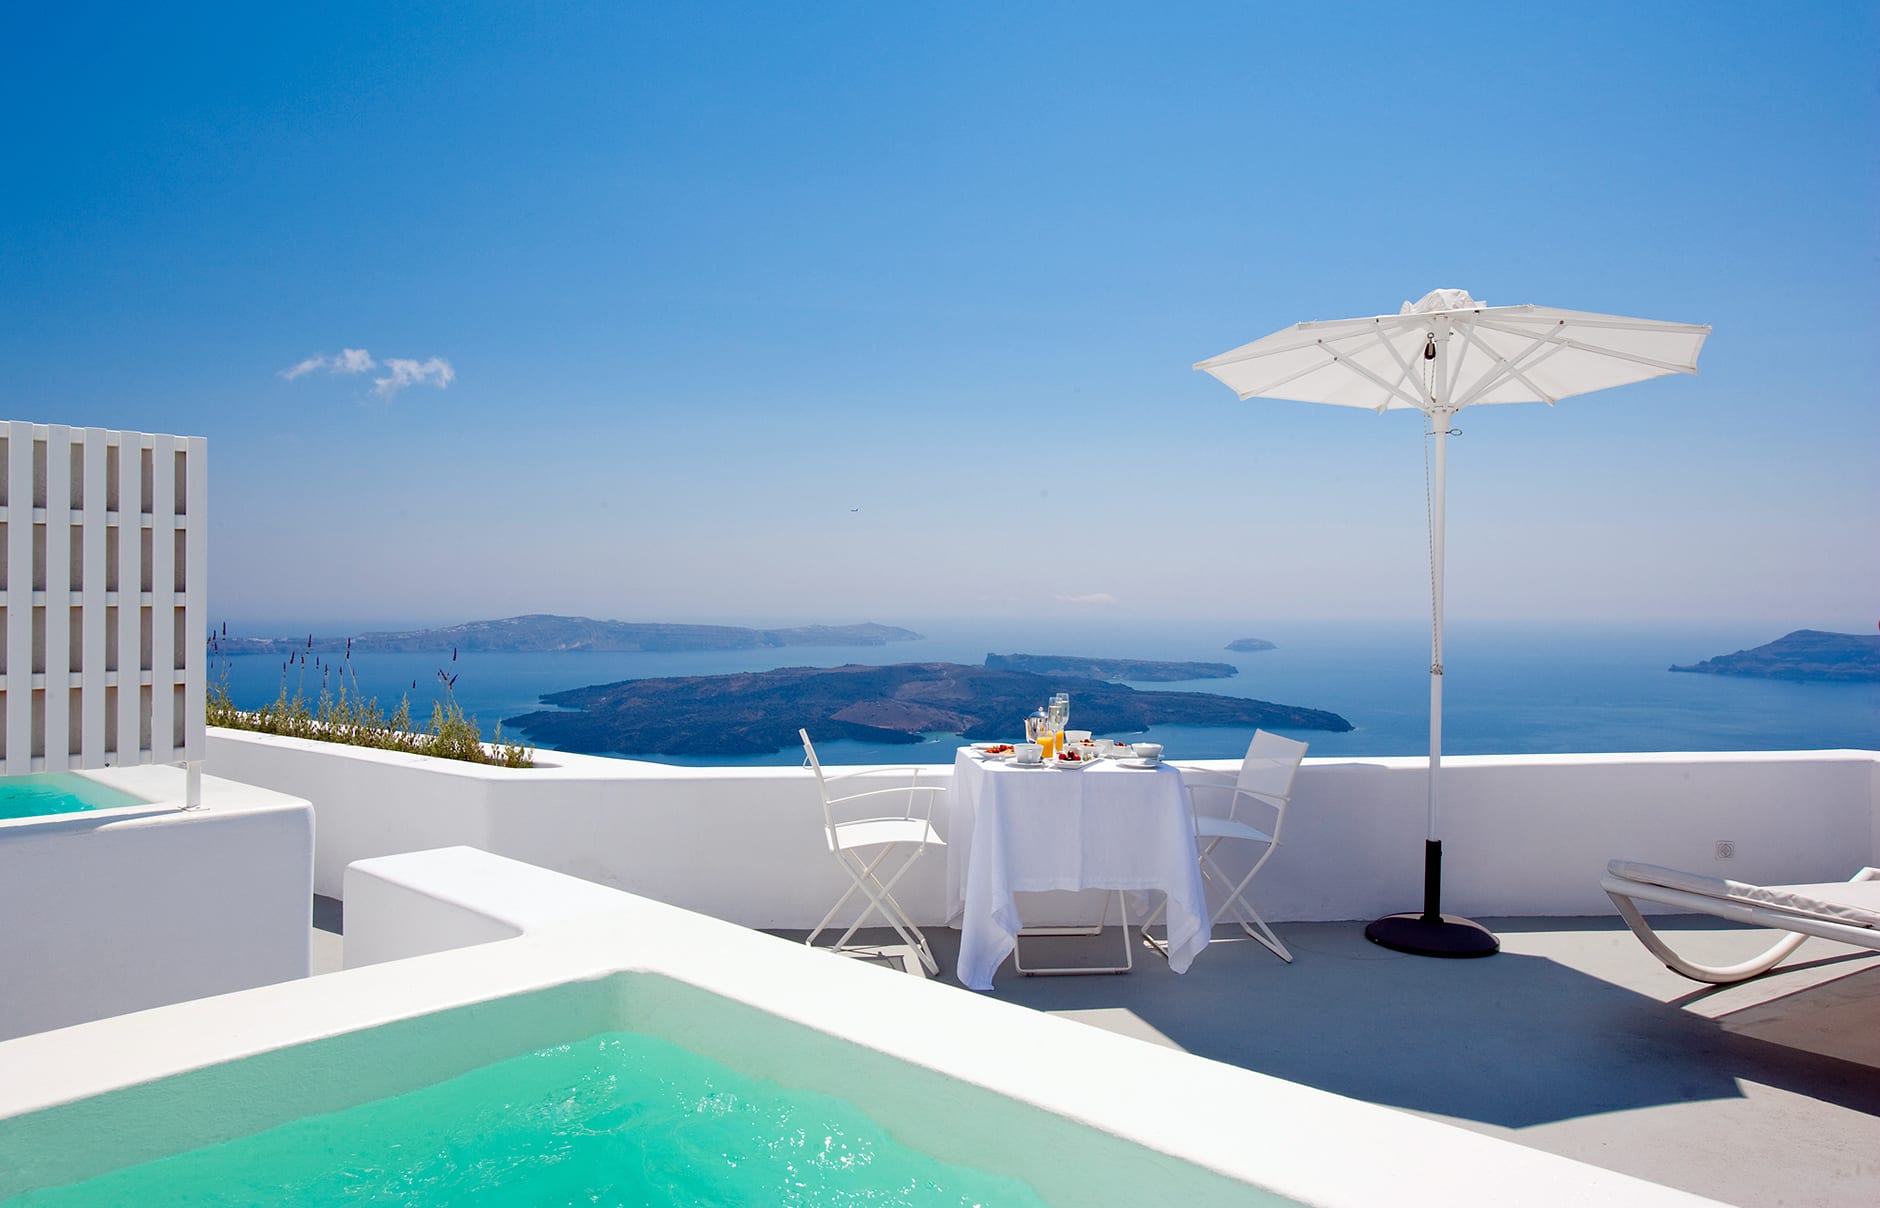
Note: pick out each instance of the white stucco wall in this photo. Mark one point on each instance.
(413, 905)
(1523, 834)
(137, 908)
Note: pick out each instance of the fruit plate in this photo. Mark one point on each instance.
(1073, 765)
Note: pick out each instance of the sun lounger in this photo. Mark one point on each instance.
(1845, 911)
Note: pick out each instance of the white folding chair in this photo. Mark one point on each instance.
(1264, 784)
(861, 845)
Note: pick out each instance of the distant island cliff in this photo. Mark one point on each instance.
(1806, 654)
(1140, 670)
(1246, 645)
(541, 632)
(760, 712)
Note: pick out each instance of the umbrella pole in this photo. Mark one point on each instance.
(1431, 932)
(1432, 835)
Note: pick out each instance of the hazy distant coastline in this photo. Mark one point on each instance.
(1805, 655)
(542, 633)
(1250, 645)
(1139, 670)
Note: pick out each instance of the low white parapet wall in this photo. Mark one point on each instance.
(1523, 835)
(139, 907)
(398, 907)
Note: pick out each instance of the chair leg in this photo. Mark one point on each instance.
(864, 876)
(1129, 958)
(892, 911)
(1243, 910)
(881, 901)
(1155, 916)
(833, 910)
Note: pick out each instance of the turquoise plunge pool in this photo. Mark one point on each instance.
(616, 1118)
(631, 1088)
(43, 795)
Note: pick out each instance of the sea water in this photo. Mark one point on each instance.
(1509, 688)
(615, 1119)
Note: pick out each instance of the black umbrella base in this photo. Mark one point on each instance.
(1450, 935)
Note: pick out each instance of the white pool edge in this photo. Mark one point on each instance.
(1296, 1141)
(154, 798)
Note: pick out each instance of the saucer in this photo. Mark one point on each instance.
(1139, 763)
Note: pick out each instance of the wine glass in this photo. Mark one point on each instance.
(1054, 725)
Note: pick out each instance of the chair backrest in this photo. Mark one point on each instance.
(1266, 775)
(815, 764)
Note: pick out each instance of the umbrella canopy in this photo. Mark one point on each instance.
(1438, 355)
(1496, 354)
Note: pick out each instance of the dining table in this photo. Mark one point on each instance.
(1014, 829)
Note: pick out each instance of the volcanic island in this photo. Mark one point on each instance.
(759, 712)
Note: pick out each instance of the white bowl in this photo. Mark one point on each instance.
(1078, 736)
(1027, 752)
(1147, 750)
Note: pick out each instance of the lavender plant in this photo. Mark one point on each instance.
(343, 713)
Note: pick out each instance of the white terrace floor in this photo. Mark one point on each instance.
(1573, 1040)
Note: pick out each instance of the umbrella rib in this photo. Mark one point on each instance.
(1521, 374)
(1256, 350)
(1263, 391)
(1465, 329)
(1409, 373)
(1635, 358)
(1617, 354)
(1505, 368)
(1394, 391)
(1582, 318)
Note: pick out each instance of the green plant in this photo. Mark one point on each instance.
(342, 713)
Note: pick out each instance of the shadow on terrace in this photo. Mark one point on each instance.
(1573, 1040)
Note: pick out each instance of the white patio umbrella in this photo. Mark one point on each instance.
(1437, 356)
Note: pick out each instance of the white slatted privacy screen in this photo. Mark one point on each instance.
(103, 587)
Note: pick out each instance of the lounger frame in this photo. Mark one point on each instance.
(1624, 891)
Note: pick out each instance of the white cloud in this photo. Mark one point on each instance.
(349, 360)
(1095, 597)
(306, 366)
(400, 371)
(436, 371)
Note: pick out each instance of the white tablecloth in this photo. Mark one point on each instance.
(1022, 830)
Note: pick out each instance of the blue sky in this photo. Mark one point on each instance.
(835, 312)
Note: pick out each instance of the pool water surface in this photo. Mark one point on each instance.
(615, 1118)
(44, 795)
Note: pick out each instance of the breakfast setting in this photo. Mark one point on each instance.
(1014, 828)
(1048, 744)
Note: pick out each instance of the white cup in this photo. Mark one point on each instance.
(1147, 750)
(1027, 752)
